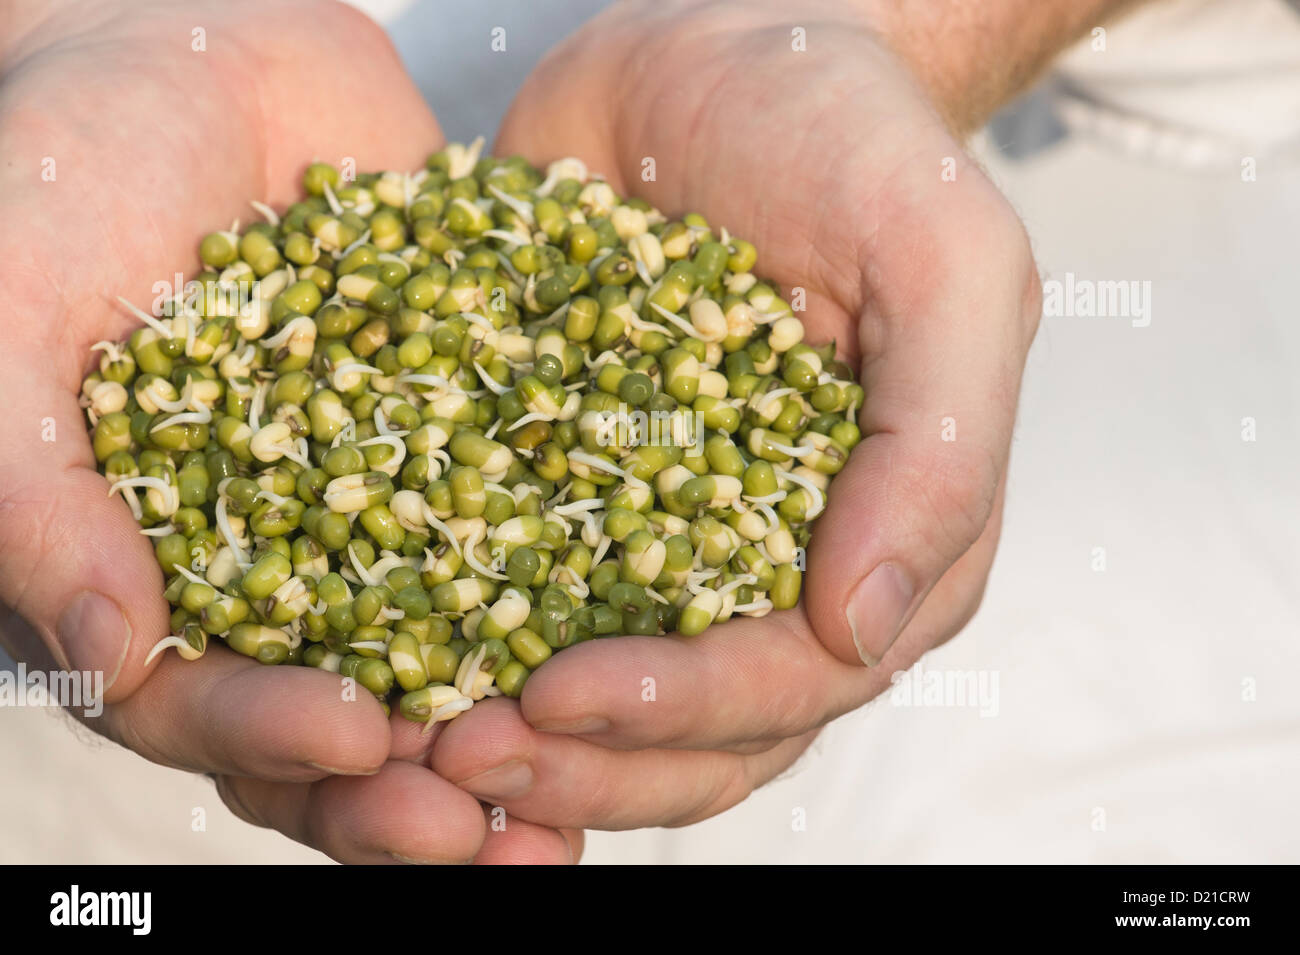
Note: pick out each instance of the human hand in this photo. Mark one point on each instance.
(831, 162)
(152, 142)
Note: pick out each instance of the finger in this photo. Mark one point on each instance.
(228, 714)
(512, 841)
(75, 567)
(277, 113)
(402, 814)
(730, 688)
(73, 564)
(72, 561)
(550, 117)
(392, 129)
(577, 840)
(565, 782)
(741, 686)
(944, 343)
(412, 741)
(952, 602)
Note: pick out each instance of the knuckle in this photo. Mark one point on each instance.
(1031, 301)
(228, 790)
(24, 522)
(961, 590)
(313, 824)
(727, 785)
(971, 605)
(603, 800)
(1005, 254)
(1011, 245)
(1020, 255)
(959, 489)
(126, 729)
(801, 710)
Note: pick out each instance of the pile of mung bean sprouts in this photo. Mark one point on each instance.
(425, 429)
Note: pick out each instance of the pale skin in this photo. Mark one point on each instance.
(142, 167)
(926, 283)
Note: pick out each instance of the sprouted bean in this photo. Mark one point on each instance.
(410, 430)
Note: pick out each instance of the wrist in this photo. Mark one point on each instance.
(970, 58)
(935, 57)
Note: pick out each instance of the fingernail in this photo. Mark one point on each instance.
(504, 782)
(591, 724)
(876, 610)
(94, 635)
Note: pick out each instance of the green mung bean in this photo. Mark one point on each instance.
(462, 422)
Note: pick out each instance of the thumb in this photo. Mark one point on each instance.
(73, 564)
(918, 491)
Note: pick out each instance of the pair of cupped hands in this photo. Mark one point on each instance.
(831, 160)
